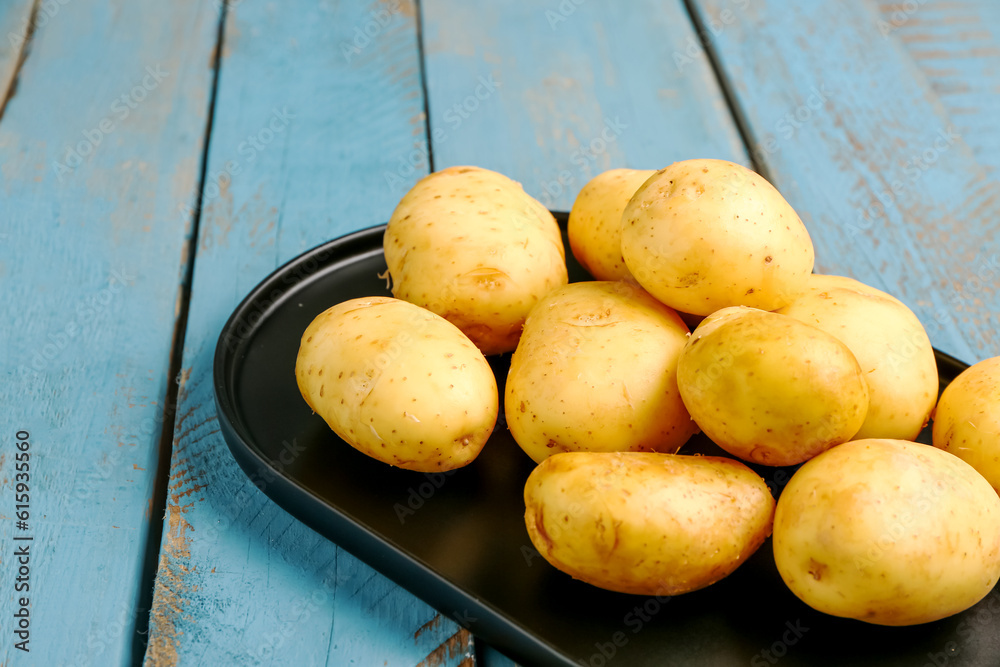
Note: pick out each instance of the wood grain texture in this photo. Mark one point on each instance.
(103, 134)
(551, 94)
(956, 44)
(851, 132)
(15, 20)
(307, 122)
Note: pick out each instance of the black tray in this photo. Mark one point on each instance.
(458, 539)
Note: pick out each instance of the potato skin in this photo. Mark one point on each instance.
(596, 370)
(595, 222)
(890, 344)
(646, 523)
(888, 532)
(967, 419)
(769, 388)
(470, 245)
(398, 383)
(702, 235)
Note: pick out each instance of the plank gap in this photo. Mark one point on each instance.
(22, 55)
(739, 118)
(161, 476)
(419, 21)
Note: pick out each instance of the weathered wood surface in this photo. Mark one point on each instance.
(241, 239)
(553, 94)
(956, 45)
(15, 22)
(878, 122)
(307, 122)
(102, 135)
(866, 152)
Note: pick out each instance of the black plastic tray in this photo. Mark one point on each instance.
(458, 540)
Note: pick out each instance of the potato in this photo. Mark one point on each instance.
(595, 222)
(769, 388)
(646, 523)
(702, 235)
(596, 370)
(967, 419)
(470, 245)
(398, 383)
(888, 532)
(890, 344)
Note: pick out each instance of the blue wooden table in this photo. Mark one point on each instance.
(157, 159)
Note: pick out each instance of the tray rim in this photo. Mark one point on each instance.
(361, 539)
(408, 571)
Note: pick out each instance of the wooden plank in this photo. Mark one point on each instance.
(956, 44)
(307, 122)
(850, 131)
(103, 134)
(15, 22)
(552, 95)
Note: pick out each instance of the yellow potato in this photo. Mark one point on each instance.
(470, 245)
(702, 235)
(889, 532)
(967, 419)
(769, 388)
(398, 383)
(889, 343)
(646, 523)
(596, 370)
(595, 222)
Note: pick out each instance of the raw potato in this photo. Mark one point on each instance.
(596, 370)
(889, 532)
(470, 245)
(890, 344)
(769, 388)
(398, 383)
(702, 235)
(646, 523)
(967, 419)
(595, 222)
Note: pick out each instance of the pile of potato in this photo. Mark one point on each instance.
(607, 382)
